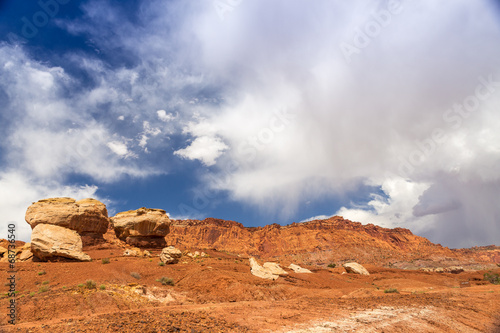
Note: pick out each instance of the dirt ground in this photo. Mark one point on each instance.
(219, 294)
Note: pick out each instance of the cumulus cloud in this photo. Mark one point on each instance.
(204, 148)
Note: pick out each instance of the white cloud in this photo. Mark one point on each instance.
(204, 148)
(163, 116)
(119, 148)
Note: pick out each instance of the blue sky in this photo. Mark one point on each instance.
(384, 112)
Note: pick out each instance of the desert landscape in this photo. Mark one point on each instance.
(140, 271)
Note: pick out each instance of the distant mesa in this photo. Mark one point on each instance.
(143, 227)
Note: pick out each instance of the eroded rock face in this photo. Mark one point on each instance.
(87, 216)
(355, 268)
(144, 227)
(53, 242)
(170, 255)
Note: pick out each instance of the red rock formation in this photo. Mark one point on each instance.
(331, 239)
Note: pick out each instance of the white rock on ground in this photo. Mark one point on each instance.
(298, 269)
(260, 271)
(274, 268)
(170, 255)
(353, 267)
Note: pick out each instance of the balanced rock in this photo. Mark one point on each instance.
(87, 216)
(54, 242)
(298, 269)
(355, 268)
(143, 227)
(170, 255)
(260, 271)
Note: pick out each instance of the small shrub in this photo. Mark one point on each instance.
(45, 282)
(105, 261)
(136, 275)
(64, 287)
(332, 265)
(90, 284)
(150, 260)
(166, 281)
(32, 293)
(80, 285)
(161, 263)
(43, 289)
(42, 273)
(492, 278)
(102, 287)
(391, 291)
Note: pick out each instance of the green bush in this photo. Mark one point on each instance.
(161, 263)
(391, 291)
(42, 273)
(43, 289)
(90, 284)
(166, 281)
(105, 261)
(492, 278)
(80, 285)
(102, 287)
(45, 282)
(332, 265)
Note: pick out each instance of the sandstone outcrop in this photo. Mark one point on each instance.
(170, 255)
(143, 227)
(298, 269)
(260, 271)
(353, 267)
(51, 242)
(87, 216)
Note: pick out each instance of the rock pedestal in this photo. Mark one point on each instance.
(143, 227)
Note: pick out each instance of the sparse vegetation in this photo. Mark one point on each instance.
(42, 273)
(32, 293)
(332, 265)
(45, 282)
(105, 261)
(391, 291)
(90, 284)
(161, 263)
(166, 281)
(102, 287)
(80, 285)
(43, 289)
(135, 275)
(492, 278)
